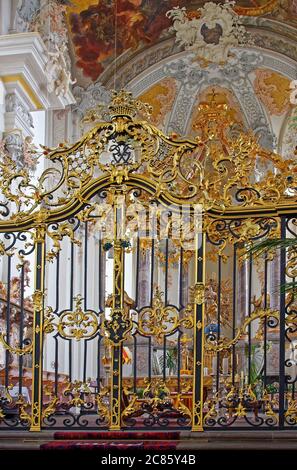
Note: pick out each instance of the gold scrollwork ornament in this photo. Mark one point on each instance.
(78, 324)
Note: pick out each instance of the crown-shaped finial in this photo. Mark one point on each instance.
(123, 104)
(215, 104)
(214, 110)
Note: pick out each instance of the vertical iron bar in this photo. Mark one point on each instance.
(152, 271)
(57, 282)
(135, 363)
(85, 360)
(21, 336)
(181, 278)
(234, 294)
(117, 316)
(178, 360)
(8, 320)
(137, 273)
(99, 277)
(56, 364)
(100, 311)
(98, 363)
(85, 297)
(71, 304)
(38, 305)
(57, 312)
(166, 272)
(86, 266)
(249, 313)
(282, 327)
(219, 320)
(265, 323)
(71, 275)
(198, 344)
(164, 358)
(149, 358)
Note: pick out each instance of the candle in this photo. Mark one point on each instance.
(214, 365)
(225, 365)
(205, 371)
(241, 378)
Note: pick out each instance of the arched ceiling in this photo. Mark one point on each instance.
(153, 66)
(102, 29)
(131, 44)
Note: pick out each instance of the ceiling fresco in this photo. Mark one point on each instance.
(252, 77)
(103, 29)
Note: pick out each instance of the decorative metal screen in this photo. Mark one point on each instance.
(131, 296)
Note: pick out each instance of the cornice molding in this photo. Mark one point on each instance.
(23, 58)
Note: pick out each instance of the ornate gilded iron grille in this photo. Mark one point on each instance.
(16, 330)
(147, 309)
(242, 363)
(151, 324)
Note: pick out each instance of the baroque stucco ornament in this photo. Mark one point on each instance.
(210, 32)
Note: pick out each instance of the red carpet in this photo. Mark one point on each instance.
(122, 435)
(108, 440)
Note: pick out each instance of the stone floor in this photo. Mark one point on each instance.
(214, 440)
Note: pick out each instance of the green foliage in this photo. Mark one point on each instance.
(271, 388)
(171, 359)
(139, 392)
(254, 370)
(270, 245)
(257, 361)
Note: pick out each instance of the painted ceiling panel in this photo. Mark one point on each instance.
(103, 29)
(100, 30)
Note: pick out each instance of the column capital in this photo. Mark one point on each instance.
(17, 114)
